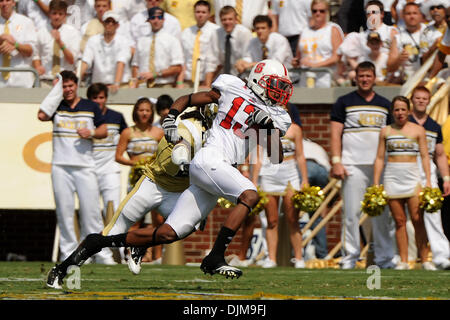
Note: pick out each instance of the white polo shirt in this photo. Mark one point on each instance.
(23, 30)
(168, 52)
(293, 15)
(102, 57)
(71, 38)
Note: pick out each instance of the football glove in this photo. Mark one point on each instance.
(170, 128)
(260, 118)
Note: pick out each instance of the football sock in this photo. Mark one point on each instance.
(223, 240)
(91, 245)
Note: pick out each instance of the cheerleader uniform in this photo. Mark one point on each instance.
(401, 179)
(277, 178)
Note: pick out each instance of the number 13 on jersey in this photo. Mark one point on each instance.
(237, 116)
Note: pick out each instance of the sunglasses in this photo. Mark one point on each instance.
(437, 7)
(156, 17)
(372, 12)
(317, 10)
(110, 21)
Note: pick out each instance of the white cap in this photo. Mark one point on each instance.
(111, 14)
(425, 7)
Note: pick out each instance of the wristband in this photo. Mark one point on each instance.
(335, 159)
(174, 112)
(16, 45)
(446, 178)
(155, 75)
(180, 82)
(63, 47)
(92, 132)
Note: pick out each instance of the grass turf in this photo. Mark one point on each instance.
(26, 280)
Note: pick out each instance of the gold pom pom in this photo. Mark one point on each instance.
(263, 199)
(224, 203)
(431, 199)
(374, 201)
(308, 199)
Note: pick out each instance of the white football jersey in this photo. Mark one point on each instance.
(236, 103)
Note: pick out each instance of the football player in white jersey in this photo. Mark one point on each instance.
(258, 104)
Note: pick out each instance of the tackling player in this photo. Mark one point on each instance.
(213, 173)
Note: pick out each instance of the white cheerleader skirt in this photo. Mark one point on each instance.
(401, 179)
(276, 179)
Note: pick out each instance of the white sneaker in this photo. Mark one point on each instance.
(402, 266)
(429, 266)
(236, 262)
(269, 263)
(298, 263)
(154, 262)
(347, 266)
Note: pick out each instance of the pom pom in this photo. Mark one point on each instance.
(224, 203)
(431, 199)
(263, 199)
(374, 201)
(308, 199)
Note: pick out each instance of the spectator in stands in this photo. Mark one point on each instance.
(159, 57)
(95, 25)
(376, 55)
(139, 26)
(246, 10)
(163, 105)
(439, 244)
(76, 122)
(318, 47)
(355, 49)
(435, 30)
(17, 42)
(403, 142)
(351, 131)
(397, 11)
(183, 11)
(104, 150)
(108, 55)
(58, 45)
(197, 42)
(266, 45)
(291, 16)
(404, 54)
(231, 41)
(444, 48)
(36, 10)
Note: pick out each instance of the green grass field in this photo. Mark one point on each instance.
(26, 280)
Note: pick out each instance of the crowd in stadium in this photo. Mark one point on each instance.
(111, 40)
(107, 45)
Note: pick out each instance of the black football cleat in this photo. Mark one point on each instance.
(219, 267)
